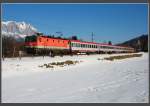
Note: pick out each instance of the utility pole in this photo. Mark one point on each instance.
(139, 45)
(92, 36)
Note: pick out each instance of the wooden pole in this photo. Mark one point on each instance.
(14, 51)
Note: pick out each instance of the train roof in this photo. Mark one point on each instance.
(103, 44)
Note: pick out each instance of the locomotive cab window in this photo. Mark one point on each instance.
(40, 39)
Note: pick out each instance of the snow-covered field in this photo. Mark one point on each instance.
(91, 81)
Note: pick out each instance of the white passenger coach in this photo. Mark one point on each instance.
(97, 47)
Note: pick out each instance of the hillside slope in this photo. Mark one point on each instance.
(139, 43)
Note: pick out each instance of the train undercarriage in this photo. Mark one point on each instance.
(61, 52)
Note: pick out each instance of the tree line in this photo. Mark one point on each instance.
(11, 47)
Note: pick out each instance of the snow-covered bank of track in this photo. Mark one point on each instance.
(92, 80)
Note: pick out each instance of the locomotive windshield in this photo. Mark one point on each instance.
(32, 38)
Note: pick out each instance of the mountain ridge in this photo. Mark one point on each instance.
(17, 29)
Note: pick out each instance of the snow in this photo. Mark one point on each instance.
(90, 81)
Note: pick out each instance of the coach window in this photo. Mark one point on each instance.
(79, 45)
(47, 40)
(53, 40)
(75, 45)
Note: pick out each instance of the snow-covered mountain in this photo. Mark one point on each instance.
(17, 29)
